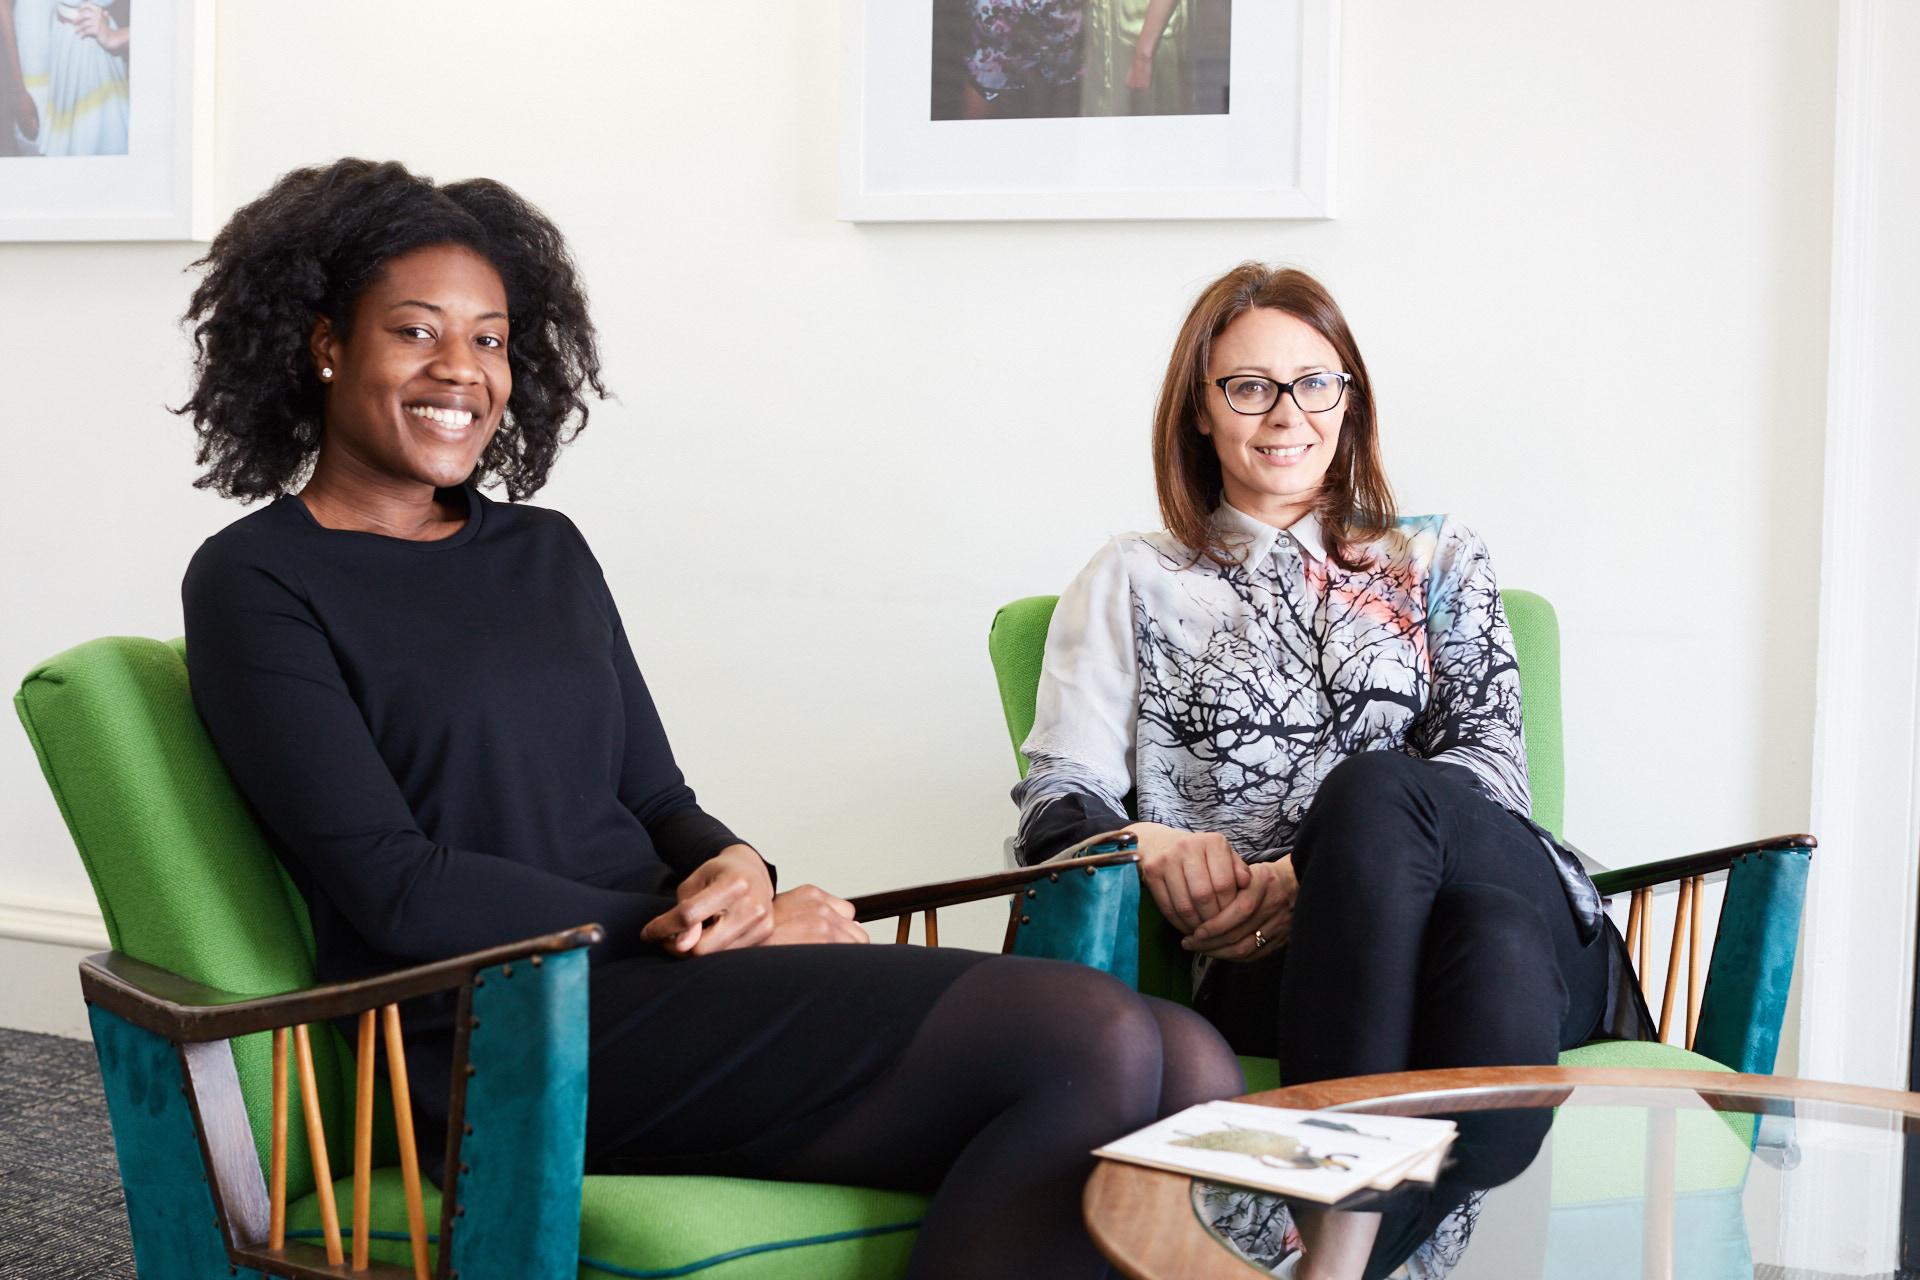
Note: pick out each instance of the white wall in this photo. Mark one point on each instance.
(1622, 215)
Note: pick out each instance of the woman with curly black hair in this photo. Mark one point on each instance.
(429, 700)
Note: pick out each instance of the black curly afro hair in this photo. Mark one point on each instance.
(306, 249)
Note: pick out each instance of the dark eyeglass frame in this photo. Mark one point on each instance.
(1283, 388)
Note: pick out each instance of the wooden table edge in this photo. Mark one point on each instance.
(1131, 1211)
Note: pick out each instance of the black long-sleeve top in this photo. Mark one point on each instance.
(448, 743)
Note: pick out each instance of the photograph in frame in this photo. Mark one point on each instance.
(1061, 109)
(102, 106)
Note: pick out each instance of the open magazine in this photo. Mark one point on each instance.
(1323, 1156)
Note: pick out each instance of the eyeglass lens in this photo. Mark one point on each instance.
(1314, 393)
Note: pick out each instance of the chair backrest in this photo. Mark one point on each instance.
(182, 873)
(1018, 640)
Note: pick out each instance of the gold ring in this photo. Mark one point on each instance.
(1259, 939)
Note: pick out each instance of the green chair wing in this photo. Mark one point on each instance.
(181, 872)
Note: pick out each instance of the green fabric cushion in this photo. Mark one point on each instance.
(1642, 1054)
(1261, 1073)
(716, 1228)
(1017, 643)
(146, 799)
(1599, 1153)
(1536, 645)
(181, 872)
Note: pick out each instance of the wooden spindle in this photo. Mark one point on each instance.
(1645, 961)
(933, 928)
(1680, 917)
(901, 932)
(277, 1160)
(1695, 976)
(1633, 920)
(317, 1146)
(403, 1131)
(363, 1144)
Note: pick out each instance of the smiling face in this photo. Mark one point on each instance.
(1271, 464)
(421, 380)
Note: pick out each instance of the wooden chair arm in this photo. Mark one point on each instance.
(1627, 879)
(187, 1012)
(947, 893)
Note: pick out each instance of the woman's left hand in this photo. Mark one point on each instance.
(727, 902)
(1264, 907)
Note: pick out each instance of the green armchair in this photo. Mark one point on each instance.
(213, 959)
(1732, 1021)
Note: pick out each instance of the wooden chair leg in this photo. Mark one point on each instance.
(1680, 917)
(933, 928)
(403, 1132)
(903, 930)
(363, 1144)
(277, 1160)
(1695, 975)
(317, 1145)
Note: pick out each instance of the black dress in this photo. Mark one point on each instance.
(450, 746)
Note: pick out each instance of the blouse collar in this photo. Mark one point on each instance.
(1258, 537)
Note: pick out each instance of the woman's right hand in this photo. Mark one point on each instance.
(811, 914)
(1192, 875)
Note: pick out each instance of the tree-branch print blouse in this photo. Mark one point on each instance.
(1220, 697)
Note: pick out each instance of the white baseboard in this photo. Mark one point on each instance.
(66, 924)
(41, 945)
(42, 988)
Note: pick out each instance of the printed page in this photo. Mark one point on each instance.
(1316, 1155)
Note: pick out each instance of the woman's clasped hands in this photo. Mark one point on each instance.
(1223, 907)
(728, 903)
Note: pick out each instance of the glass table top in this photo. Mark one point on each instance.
(1616, 1181)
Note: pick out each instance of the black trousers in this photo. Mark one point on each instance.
(1431, 931)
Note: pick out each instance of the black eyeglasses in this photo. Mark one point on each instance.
(1252, 394)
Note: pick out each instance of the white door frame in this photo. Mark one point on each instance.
(1858, 943)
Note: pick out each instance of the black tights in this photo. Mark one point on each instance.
(1021, 1068)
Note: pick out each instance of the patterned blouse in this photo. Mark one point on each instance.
(1220, 697)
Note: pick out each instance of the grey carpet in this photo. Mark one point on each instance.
(59, 1186)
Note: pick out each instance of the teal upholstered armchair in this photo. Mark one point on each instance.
(229, 1170)
(1732, 1018)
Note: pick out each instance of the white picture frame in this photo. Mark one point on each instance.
(160, 188)
(1271, 155)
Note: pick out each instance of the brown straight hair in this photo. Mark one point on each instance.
(1354, 503)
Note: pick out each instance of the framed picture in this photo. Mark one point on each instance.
(1053, 109)
(105, 119)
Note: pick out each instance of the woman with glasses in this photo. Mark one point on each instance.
(1314, 705)
(429, 699)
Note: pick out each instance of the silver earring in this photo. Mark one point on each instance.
(326, 375)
